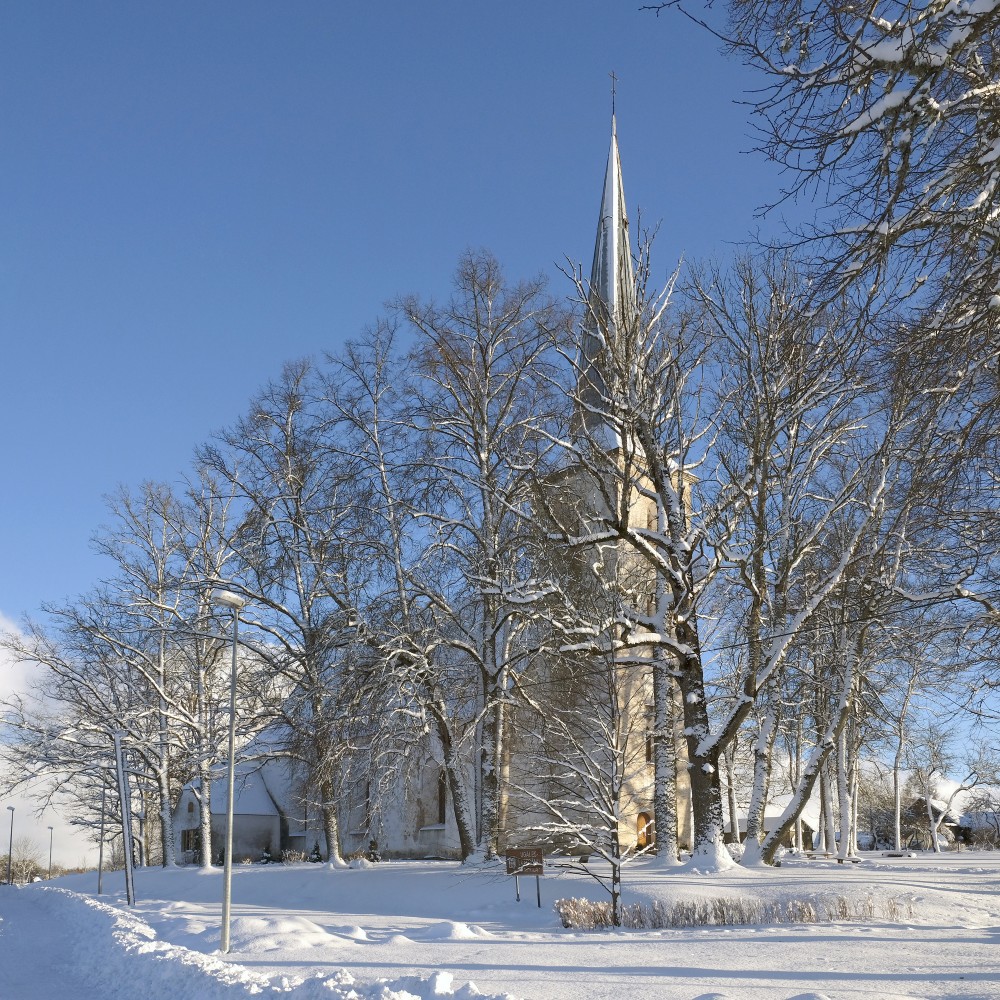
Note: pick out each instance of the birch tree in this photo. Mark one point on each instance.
(299, 512)
(145, 636)
(419, 689)
(794, 399)
(479, 399)
(60, 735)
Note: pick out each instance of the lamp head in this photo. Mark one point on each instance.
(226, 599)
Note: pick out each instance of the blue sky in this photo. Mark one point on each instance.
(193, 193)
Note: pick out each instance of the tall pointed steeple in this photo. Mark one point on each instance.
(611, 293)
(612, 277)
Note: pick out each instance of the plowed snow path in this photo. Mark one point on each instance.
(35, 962)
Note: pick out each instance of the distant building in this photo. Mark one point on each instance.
(267, 814)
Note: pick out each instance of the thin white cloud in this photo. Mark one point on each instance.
(69, 845)
(14, 676)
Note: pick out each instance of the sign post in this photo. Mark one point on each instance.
(526, 861)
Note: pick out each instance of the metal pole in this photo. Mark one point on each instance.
(10, 849)
(50, 852)
(126, 806)
(227, 873)
(100, 848)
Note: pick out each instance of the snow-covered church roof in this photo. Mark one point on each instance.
(250, 794)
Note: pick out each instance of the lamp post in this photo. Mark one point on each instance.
(10, 849)
(227, 599)
(50, 852)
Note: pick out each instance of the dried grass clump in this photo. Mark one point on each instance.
(728, 911)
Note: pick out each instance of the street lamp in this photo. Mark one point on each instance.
(10, 849)
(50, 852)
(227, 599)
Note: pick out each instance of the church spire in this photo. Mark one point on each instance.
(612, 280)
(611, 294)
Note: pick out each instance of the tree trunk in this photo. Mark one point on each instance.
(734, 807)
(166, 818)
(708, 845)
(897, 798)
(664, 763)
(797, 778)
(616, 878)
(331, 824)
(205, 817)
(843, 797)
(460, 805)
(932, 825)
(163, 766)
(826, 793)
(492, 758)
(763, 750)
(453, 765)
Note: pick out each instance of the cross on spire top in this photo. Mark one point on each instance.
(614, 87)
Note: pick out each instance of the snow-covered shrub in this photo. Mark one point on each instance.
(584, 913)
(727, 911)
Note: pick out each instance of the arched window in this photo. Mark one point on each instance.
(644, 836)
(190, 807)
(442, 797)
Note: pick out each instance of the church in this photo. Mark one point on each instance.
(537, 807)
(580, 758)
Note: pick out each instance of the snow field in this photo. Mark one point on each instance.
(416, 930)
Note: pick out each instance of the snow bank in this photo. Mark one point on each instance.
(112, 948)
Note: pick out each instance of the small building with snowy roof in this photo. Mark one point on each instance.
(265, 815)
(809, 820)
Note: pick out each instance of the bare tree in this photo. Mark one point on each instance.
(885, 116)
(479, 400)
(419, 687)
(300, 508)
(583, 730)
(795, 396)
(625, 503)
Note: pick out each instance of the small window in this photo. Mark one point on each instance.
(190, 807)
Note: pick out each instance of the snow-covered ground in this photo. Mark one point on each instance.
(430, 929)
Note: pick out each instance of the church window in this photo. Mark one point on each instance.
(442, 797)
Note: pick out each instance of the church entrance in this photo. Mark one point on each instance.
(644, 836)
